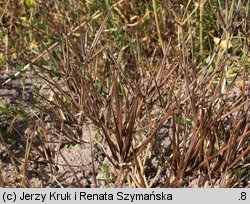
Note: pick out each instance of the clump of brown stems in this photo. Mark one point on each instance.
(128, 110)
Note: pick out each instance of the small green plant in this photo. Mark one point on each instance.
(110, 178)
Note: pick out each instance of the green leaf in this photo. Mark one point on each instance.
(30, 3)
(3, 107)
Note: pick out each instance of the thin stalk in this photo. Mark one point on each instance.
(5, 8)
(201, 30)
(158, 27)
